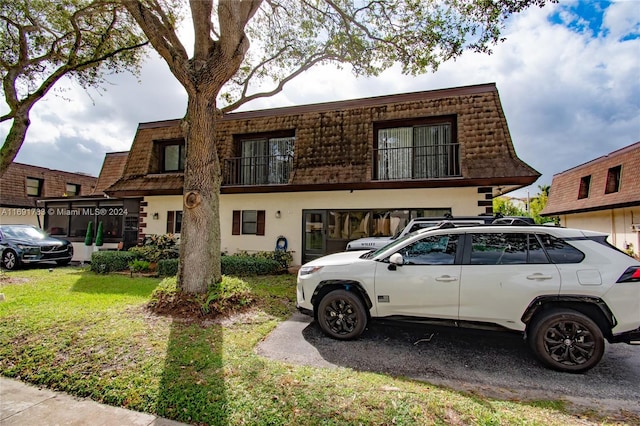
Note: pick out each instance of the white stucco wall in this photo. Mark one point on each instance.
(160, 204)
(461, 201)
(617, 223)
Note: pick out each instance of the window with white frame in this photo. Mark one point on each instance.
(248, 222)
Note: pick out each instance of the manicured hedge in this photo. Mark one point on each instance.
(246, 265)
(231, 265)
(110, 261)
(167, 267)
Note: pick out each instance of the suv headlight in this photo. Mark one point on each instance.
(307, 270)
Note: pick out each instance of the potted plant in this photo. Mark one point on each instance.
(99, 237)
(88, 241)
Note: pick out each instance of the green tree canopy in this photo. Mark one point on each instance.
(42, 41)
(288, 37)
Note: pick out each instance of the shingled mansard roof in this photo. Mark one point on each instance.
(112, 169)
(565, 196)
(13, 192)
(335, 142)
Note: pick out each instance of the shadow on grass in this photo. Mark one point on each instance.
(90, 282)
(192, 387)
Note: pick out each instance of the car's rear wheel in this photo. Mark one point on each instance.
(10, 259)
(341, 315)
(567, 340)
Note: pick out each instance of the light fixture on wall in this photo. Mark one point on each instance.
(278, 214)
(156, 216)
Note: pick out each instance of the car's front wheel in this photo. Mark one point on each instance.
(341, 315)
(567, 340)
(10, 259)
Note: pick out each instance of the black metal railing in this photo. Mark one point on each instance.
(417, 162)
(261, 170)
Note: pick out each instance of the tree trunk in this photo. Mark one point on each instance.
(14, 140)
(200, 234)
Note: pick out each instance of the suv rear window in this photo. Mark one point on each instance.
(560, 251)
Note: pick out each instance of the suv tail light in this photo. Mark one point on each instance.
(631, 275)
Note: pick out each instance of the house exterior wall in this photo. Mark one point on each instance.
(461, 201)
(17, 207)
(160, 204)
(20, 216)
(615, 222)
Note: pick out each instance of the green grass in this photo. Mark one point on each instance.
(89, 335)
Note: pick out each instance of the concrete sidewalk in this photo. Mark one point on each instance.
(23, 404)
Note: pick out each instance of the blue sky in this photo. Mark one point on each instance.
(568, 77)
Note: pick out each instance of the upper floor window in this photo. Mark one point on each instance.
(171, 156)
(34, 187)
(72, 189)
(417, 150)
(264, 159)
(613, 180)
(585, 183)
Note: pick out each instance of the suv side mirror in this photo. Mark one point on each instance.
(396, 259)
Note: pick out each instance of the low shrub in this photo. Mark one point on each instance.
(284, 258)
(249, 265)
(167, 267)
(157, 247)
(110, 261)
(231, 294)
(139, 265)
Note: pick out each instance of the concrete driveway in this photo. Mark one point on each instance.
(495, 364)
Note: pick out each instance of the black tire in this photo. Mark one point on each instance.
(63, 262)
(567, 340)
(10, 260)
(341, 315)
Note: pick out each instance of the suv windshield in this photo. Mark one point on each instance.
(373, 253)
(22, 232)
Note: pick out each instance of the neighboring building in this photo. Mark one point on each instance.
(601, 195)
(69, 217)
(22, 185)
(321, 175)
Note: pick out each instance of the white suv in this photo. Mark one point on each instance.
(566, 290)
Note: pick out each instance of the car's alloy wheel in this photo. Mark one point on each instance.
(9, 260)
(567, 340)
(341, 315)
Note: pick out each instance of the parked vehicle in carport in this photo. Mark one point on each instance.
(24, 244)
(565, 290)
(369, 243)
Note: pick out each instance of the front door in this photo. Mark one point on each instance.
(314, 241)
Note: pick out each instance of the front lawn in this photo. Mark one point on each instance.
(91, 335)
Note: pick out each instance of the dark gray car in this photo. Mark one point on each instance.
(24, 244)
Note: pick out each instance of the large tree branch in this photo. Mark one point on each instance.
(162, 37)
(244, 99)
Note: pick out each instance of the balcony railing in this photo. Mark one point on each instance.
(262, 170)
(417, 162)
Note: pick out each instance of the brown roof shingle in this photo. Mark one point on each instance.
(13, 191)
(112, 169)
(565, 187)
(334, 140)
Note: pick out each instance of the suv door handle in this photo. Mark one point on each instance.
(446, 278)
(539, 276)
